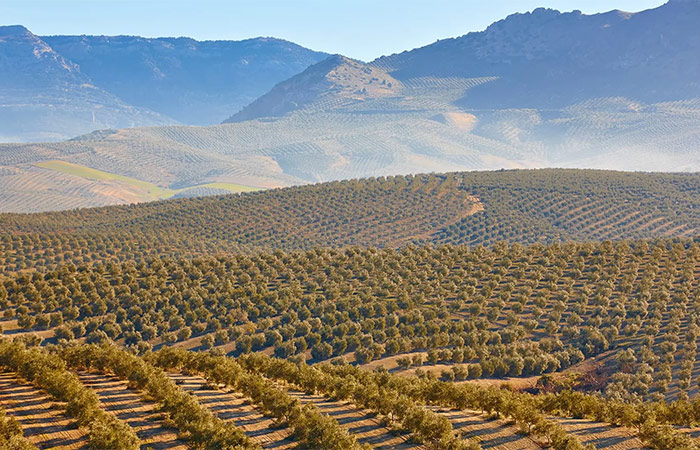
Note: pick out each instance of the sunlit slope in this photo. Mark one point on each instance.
(458, 208)
(322, 142)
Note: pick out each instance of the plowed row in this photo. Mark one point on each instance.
(233, 406)
(128, 405)
(42, 420)
(46, 426)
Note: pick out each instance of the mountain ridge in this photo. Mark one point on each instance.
(59, 87)
(43, 92)
(546, 58)
(211, 78)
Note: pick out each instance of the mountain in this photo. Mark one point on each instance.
(195, 82)
(542, 89)
(46, 96)
(549, 59)
(59, 87)
(337, 79)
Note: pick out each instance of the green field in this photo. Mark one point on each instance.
(150, 190)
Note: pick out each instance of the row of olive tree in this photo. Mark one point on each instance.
(312, 428)
(11, 435)
(49, 373)
(200, 426)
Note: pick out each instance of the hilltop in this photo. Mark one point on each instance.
(335, 80)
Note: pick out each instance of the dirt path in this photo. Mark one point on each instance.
(43, 421)
(232, 406)
(128, 406)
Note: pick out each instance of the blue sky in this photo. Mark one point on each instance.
(363, 29)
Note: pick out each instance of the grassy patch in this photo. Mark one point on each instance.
(149, 191)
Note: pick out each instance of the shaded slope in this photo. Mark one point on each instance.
(196, 82)
(45, 96)
(548, 59)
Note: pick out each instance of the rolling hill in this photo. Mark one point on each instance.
(165, 317)
(472, 208)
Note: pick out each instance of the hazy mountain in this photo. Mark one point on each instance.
(334, 79)
(58, 87)
(45, 96)
(549, 59)
(197, 83)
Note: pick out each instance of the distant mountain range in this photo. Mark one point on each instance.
(58, 87)
(44, 96)
(548, 59)
(542, 89)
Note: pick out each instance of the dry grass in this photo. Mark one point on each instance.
(43, 422)
(125, 403)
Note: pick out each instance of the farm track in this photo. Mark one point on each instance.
(128, 405)
(43, 421)
(232, 406)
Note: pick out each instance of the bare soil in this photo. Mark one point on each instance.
(43, 421)
(128, 405)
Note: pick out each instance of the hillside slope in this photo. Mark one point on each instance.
(333, 81)
(526, 207)
(58, 87)
(547, 59)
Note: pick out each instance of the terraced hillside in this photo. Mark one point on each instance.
(354, 138)
(416, 132)
(459, 208)
(346, 399)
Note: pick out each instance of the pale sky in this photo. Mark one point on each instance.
(362, 29)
